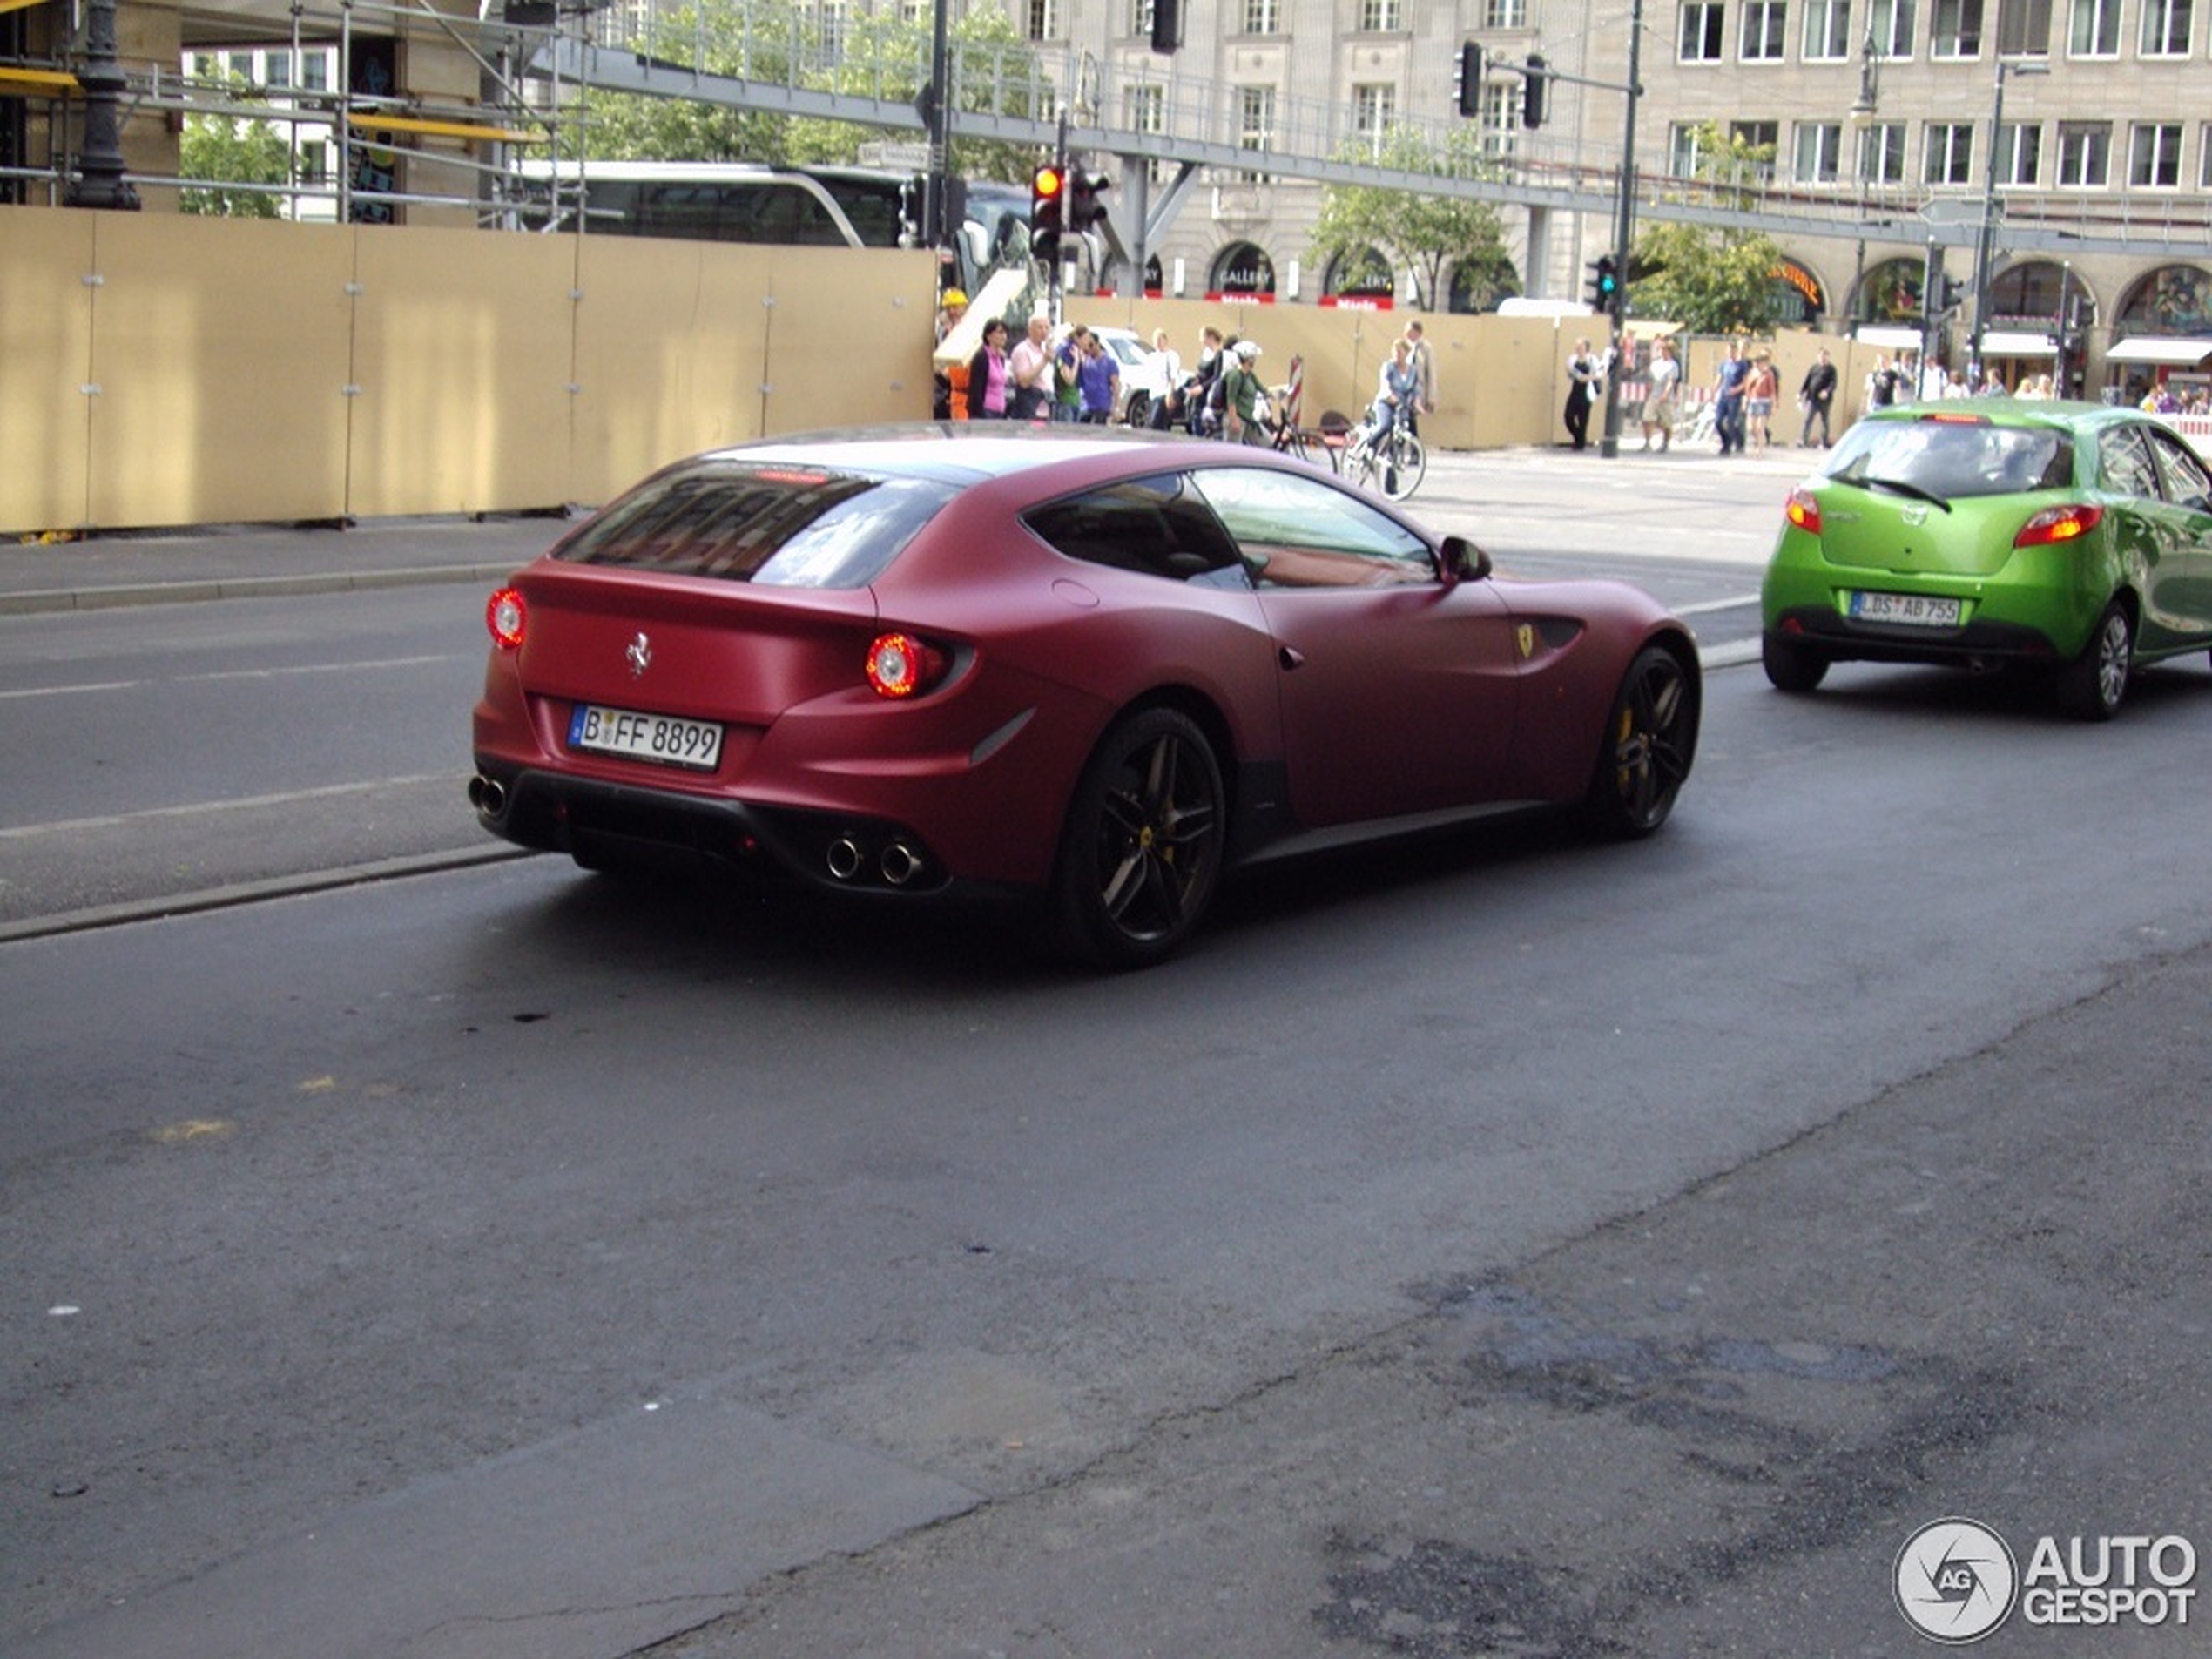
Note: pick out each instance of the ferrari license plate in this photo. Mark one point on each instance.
(1909, 609)
(661, 737)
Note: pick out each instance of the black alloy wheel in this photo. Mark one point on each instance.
(1650, 737)
(1142, 853)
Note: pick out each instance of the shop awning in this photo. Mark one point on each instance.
(2011, 342)
(1888, 336)
(2160, 348)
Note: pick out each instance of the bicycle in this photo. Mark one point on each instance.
(1394, 463)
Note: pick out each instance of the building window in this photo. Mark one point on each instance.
(1889, 22)
(2020, 153)
(1950, 154)
(1685, 149)
(2204, 158)
(1147, 112)
(1379, 16)
(1374, 111)
(1756, 135)
(1502, 118)
(835, 24)
(2154, 157)
(313, 160)
(2023, 27)
(1827, 31)
(315, 71)
(2095, 31)
(1255, 123)
(1763, 31)
(1260, 16)
(1957, 29)
(1701, 39)
(2085, 155)
(2166, 27)
(1044, 19)
(1505, 14)
(1819, 158)
(1881, 153)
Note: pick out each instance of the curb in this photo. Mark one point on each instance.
(46, 601)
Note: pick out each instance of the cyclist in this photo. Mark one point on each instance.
(1396, 391)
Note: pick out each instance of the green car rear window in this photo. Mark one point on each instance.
(779, 526)
(1954, 458)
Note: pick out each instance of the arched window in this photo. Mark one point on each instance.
(1890, 292)
(1800, 299)
(1242, 268)
(1363, 275)
(2172, 299)
(1477, 285)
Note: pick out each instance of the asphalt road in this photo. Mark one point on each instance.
(1514, 1245)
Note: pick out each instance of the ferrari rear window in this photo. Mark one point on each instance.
(780, 526)
(1954, 458)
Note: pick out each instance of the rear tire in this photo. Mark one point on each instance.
(1650, 737)
(1142, 853)
(2093, 685)
(1790, 666)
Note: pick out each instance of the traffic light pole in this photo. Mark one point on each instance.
(1617, 311)
(1623, 237)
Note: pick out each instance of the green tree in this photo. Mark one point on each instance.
(1426, 233)
(1712, 280)
(883, 56)
(227, 150)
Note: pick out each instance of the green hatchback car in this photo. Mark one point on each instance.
(1987, 532)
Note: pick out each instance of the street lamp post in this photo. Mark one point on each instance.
(1982, 241)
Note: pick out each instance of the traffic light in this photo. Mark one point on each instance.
(1167, 25)
(1951, 293)
(1535, 81)
(1605, 282)
(1048, 193)
(1467, 80)
(1084, 208)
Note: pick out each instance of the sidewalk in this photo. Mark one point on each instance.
(244, 560)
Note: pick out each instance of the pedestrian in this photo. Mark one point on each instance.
(1243, 399)
(986, 375)
(1585, 385)
(1660, 401)
(1759, 388)
(1422, 355)
(1030, 364)
(1728, 398)
(1099, 381)
(1159, 414)
(1067, 376)
(1816, 396)
(1198, 391)
(950, 309)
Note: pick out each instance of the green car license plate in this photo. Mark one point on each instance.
(1905, 609)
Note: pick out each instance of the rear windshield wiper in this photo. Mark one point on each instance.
(1900, 486)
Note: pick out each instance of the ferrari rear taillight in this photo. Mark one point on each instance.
(507, 617)
(1803, 510)
(2056, 525)
(901, 665)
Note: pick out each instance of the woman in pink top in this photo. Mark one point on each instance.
(987, 377)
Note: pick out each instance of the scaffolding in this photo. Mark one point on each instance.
(389, 147)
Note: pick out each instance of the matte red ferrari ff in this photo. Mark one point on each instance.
(1101, 670)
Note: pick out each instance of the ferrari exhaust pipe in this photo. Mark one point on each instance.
(844, 858)
(900, 864)
(487, 795)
